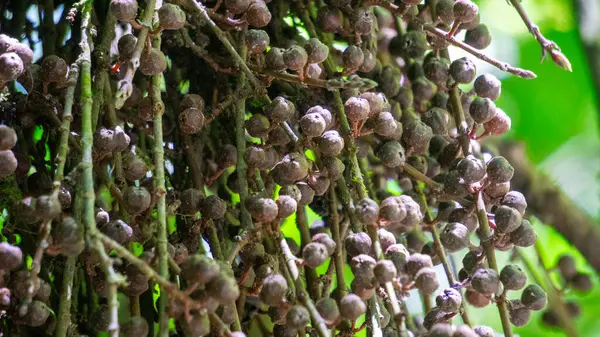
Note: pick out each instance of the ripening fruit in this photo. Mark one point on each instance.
(317, 51)
(463, 70)
(357, 109)
(153, 62)
(274, 59)
(314, 254)
(237, 6)
(326, 240)
(213, 207)
(362, 20)
(191, 121)
(567, 266)
(352, 307)
(499, 124)
(385, 271)
(286, 206)
(482, 110)
(262, 209)
(478, 37)
(512, 277)
(534, 297)
(8, 138)
(295, 58)
(518, 314)
(449, 300)
(313, 124)
(124, 10)
(54, 69)
(126, 46)
(171, 17)
(358, 243)
(367, 211)
(465, 11)
(488, 86)
(258, 125)
(273, 290)
(257, 41)
(524, 236)
(258, 14)
(363, 266)
(135, 326)
(136, 199)
(23, 51)
(11, 256)
(199, 269)
(328, 309)
(391, 154)
(507, 219)
(455, 237)
(426, 280)
(499, 170)
(485, 281)
(280, 109)
(11, 67)
(118, 230)
(8, 163)
(353, 57)
(330, 19)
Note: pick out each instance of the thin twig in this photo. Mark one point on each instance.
(431, 29)
(548, 46)
(203, 53)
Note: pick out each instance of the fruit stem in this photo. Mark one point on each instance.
(310, 274)
(459, 118)
(554, 299)
(87, 166)
(486, 239)
(417, 175)
(338, 255)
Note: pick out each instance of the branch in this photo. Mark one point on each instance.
(87, 166)
(149, 272)
(237, 58)
(486, 239)
(432, 30)
(125, 86)
(549, 203)
(554, 300)
(160, 191)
